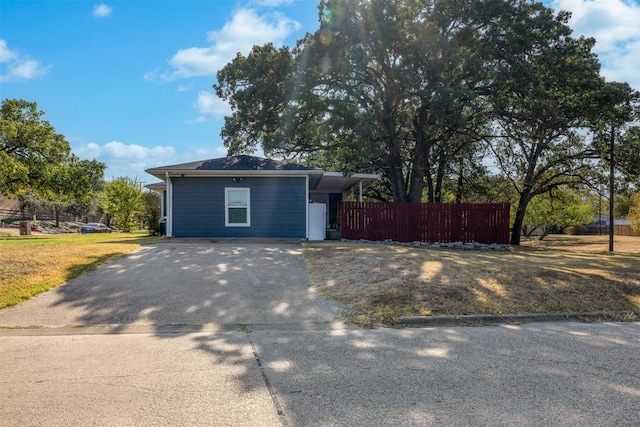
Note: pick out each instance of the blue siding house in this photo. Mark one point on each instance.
(246, 196)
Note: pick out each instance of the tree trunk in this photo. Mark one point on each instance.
(418, 172)
(421, 167)
(393, 159)
(518, 221)
(429, 179)
(395, 171)
(460, 182)
(442, 163)
(398, 186)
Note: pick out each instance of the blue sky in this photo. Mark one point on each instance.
(129, 82)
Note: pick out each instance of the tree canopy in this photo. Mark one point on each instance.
(547, 88)
(151, 211)
(29, 147)
(418, 91)
(634, 211)
(368, 90)
(556, 210)
(36, 161)
(122, 198)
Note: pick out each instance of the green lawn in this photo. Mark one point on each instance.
(33, 264)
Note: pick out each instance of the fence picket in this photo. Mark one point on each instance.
(426, 222)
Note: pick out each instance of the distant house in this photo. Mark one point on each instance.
(600, 225)
(246, 196)
(604, 220)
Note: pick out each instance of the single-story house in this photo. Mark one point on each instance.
(247, 196)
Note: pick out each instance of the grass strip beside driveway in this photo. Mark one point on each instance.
(383, 282)
(30, 265)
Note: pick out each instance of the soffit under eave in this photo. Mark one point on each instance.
(319, 182)
(157, 186)
(161, 173)
(331, 183)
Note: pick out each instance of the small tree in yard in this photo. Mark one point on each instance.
(556, 211)
(634, 211)
(151, 212)
(122, 199)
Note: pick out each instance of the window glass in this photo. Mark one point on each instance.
(237, 198)
(237, 207)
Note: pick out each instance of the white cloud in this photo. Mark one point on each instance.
(185, 88)
(195, 61)
(272, 3)
(16, 67)
(209, 104)
(102, 10)
(127, 159)
(6, 55)
(245, 29)
(24, 70)
(614, 25)
(118, 150)
(199, 119)
(90, 151)
(131, 160)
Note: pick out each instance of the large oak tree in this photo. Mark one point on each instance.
(36, 161)
(29, 147)
(389, 86)
(412, 88)
(547, 87)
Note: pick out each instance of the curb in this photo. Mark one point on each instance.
(514, 319)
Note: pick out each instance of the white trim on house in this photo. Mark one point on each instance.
(218, 173)
(318, 181)
(307, 206)
(169, 219)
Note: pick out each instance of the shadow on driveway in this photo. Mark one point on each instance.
(184, 283)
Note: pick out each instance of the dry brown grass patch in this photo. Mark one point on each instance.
(565, 242)
(383, 282)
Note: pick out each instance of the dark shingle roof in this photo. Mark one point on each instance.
(319, 180)
(237, 163)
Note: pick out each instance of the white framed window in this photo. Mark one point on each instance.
(237, 212)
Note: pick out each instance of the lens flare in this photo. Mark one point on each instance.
(326, 37)
(325, 65)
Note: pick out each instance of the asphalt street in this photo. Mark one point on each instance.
(118, 347)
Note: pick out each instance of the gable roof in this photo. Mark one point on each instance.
(319, 180)
(236, 163)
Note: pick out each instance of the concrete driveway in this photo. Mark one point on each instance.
(185, 282)
(159, 337)
(229, 334)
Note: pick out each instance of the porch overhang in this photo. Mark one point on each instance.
(158, 187)
(336, 182)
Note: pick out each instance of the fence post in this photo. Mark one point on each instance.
(427, 222)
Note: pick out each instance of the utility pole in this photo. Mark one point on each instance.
(611, 173)
(600, 191)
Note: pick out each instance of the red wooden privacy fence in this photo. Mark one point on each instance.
(425, 222)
